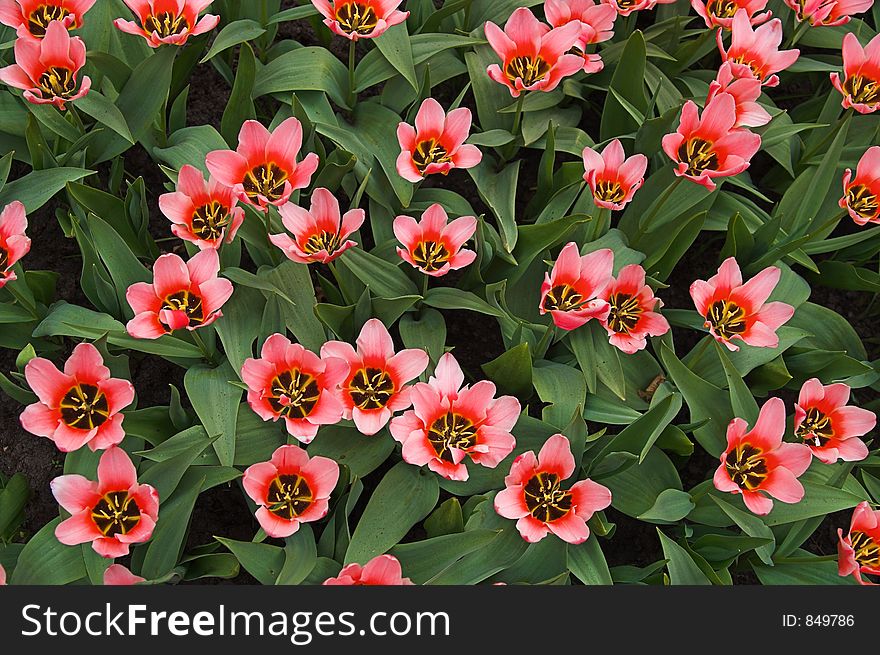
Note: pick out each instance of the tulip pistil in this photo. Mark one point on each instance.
(698, 155)
(545, 500)
(816, 428)
(294, 394)
(860, 199)
(625, 312)
(746, 466)
(265, 180)
(289, 496)
(84, 407)
(529, 69)
(166, 24)
(867, 550)
(356, 18)
(371, 388)
(116, 513)
(40, 18)
(209, 221)
(187, 302)
(59, 82)
(451, 431)
(726, 318)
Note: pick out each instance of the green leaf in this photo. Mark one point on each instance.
(818, 500)
(405, 496)
(395, 46)
(46, 561)
(752, 526)
(423, 560)
(242, 315)
(37, 187)
(240, 106)
(292, 281)
(300, 556)
(683, 570)
(382, 277)
(512, 371)
(216, 403)
(628, 84)
(106, 113)
(563, 388)
(346, 445)
(168, 539)
(672, 505)
(13, 498)
(239, 31)
(819, 572)
(446, 519)
(598, 359)
(587, 562)
(428, 332)
(190, 146)
(304, 69)
(450, 298)
(263, 561)
(741, 399)
(498, 190)
(376, 126)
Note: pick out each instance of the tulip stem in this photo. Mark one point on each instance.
(510, 150)
(645, 225)
(424, 285)
(21, 299)
(799, 31)
(332, 266)
(831, 221)
(268, 217)
(352, 96)
(208, 355)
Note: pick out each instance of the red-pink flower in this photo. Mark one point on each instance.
(182, 295)
(631, 318)
(375, 386)
(2, 576)
(861, 72)
(319, 234)
(293, 383)
(291, 488)
(32, 17)
(597, 25)
(571, 292)
(828, 12)
(719, 13)
(381, 570)
(202, 213)
(116, 575)
(436, 144)
(745, 91)
(756, 51)
(613, 178)
(360, 19)
(859, 551)
(168, 21)
(627, 7)
(113, 512)
(263, 170)
(533, 56)
(434, 245)
(449, 422)
(13, 243)
(533, 495)
(48, 69)
(80, 406)
(831, 429)
(861, 194)
(737, 311)
(758, 464)
(705, 147)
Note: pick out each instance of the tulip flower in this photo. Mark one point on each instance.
(436, 143)
(571, 291)
(597, 25)
(112, 513)
(626, 7)
(32, 17)
(824, 422)
(758, 464)
(290, 489)
(116, 575)
(861, 193)
(740, 312)
(2, 576)
(381, 570)
(449, 422)
(79, 406)
(167, 21)
(745, 92)
(859, 551)
(294, 384)
(319, 234)
(828, 12)
(375, 386)
(202, 213)
(631, 317)
(434, 245)
(182, 295)
(48, 69)
(533, 56)
(533, 495)
(613, 178)
(263, 170)
(14, 244)
(360, 19)
(706, 147)
(861, 71)
(720, 13)
(756, 51)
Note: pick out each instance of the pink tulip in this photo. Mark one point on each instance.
(613, 178)
(571, 292)
(861, 193)
(824, 422)
(859, 551)
(720, 13)
(116, 575)
(596, 21)
(745, 92)
(631, 318)
(14, 244)
(167, 21)
(756, 51)
(381, 570)
(626, 7)
(434, 245)
(30, 18)
(861, 70)
(828, 12)
(360, 19)
(2, 576)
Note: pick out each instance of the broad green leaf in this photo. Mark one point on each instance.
(304, 69)
(216, 403)
(262, 561)
(395, 46)
(240, 31)
(683, 570)
(106, 113)
(753, 526)
(46, 561)
(37, 187)
(587, 562)
(629, 86)
(498, 190)
(423, 560)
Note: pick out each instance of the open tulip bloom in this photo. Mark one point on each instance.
(14, 244)
(291, 383)
(631, 317)
(203, 213)
(627, 7)
(434, 244)
(319, 234)
(170, 22)
(533, 56)
(572, 291)
(831, 428)
(182, 295)
(859, 551)
(290, 489)
(613, 178)
(745, 92)
(263, 170)
(758, 464)
(861, 193)
(48, 69)
(116, 575)
(112, 513)
(79, 406)
(32, 17)
(828, 12)
(861, 75)
(720, 13)
(2, 576)
(381, 570)
(449, 422)
(360, 19)
(534, 496)
(597, 25)
(375, 386)
(734, 311)
(756, 51)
